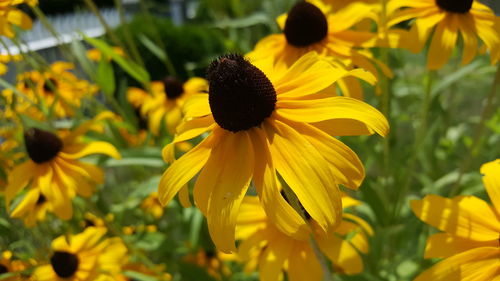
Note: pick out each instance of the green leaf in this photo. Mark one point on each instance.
(148, 162)
(153, 48)
(133, 69)
(106, 77)
(81, 55)
(139, 276)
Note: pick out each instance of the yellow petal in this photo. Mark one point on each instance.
(27, 204)
(469, 37)
(273, 258)
(343, 255)
(279, 211)
(19, 18)
(443, 245)
(184, 197)
(306, 172)
(86, 126)
(345, 18)
(491, 180)
(464, 216)
(421, 29)
(18, 178)
(77, 151)
(87, 240)
(184, 169)
(197, 106)
(309, 75)
(480, 264)
(231, 183)
(303, 264)
(343, 162)
(319, 110)
(443, 42)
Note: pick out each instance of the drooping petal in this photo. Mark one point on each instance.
(335, 108)
(273, 258)
(77, 151)
(343, 162)
(86, 126)
(303, 264)
(232, 181)
(466, 24)
(184, 197)
(343, 255)
(27, 203)
(18, 178)
(491, 180)
(443, 42)
(480, 264)
(306, 172)
(443, 245)
(279, 211)
(464, 216)
(184, 169)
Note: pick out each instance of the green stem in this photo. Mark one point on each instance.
(294, 202)
(476, 142)
(128, 35)
(419, 141)
(103, 22)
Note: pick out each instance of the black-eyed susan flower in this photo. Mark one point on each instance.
(10, 16)
(165, 101)
(212, 261)
(84, 257)
(313, 26)
(152, 205)
(96, 54)
(261, 121)
(4, 59)
(91, 220)
(265, 247)
(56, 89)
(12, 267)
(53, 167)
(448, 19)
(470, 241)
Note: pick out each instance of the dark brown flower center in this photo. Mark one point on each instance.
(88, 223)
(49, 85)
(455, 6)
(240, 95)
(64, 264)
(305, 25)
(41, 145)
(173, 87)
(41, 200)
(3, 269)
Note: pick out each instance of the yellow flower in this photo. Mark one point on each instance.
(8, 155)
(272, 251)
(54, 171)
(91, 220)
(340, 4)
(312, 26)
(4, 59)
(56, 89)
(165, 101)
(10, 16)
(261, 121)
(152, 205)
(15, 267)
(469, 242)
(212, 261)
(449, 18)
(85, 256)
(96, 55)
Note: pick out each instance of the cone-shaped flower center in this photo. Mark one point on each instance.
(49, 85)
(64, 264)
(240, 96)
(41, 200)
(173, 87)
(41, 145)
(305, 25)
(3, 269)
(455, 6)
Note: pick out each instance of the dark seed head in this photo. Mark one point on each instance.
(89, 223)
(3, 269)
(41, 200)
(173, 87)
(64, 264)
(41, 145)
(305, 25)
(455, 6)
(240, 95)
(49, 85)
